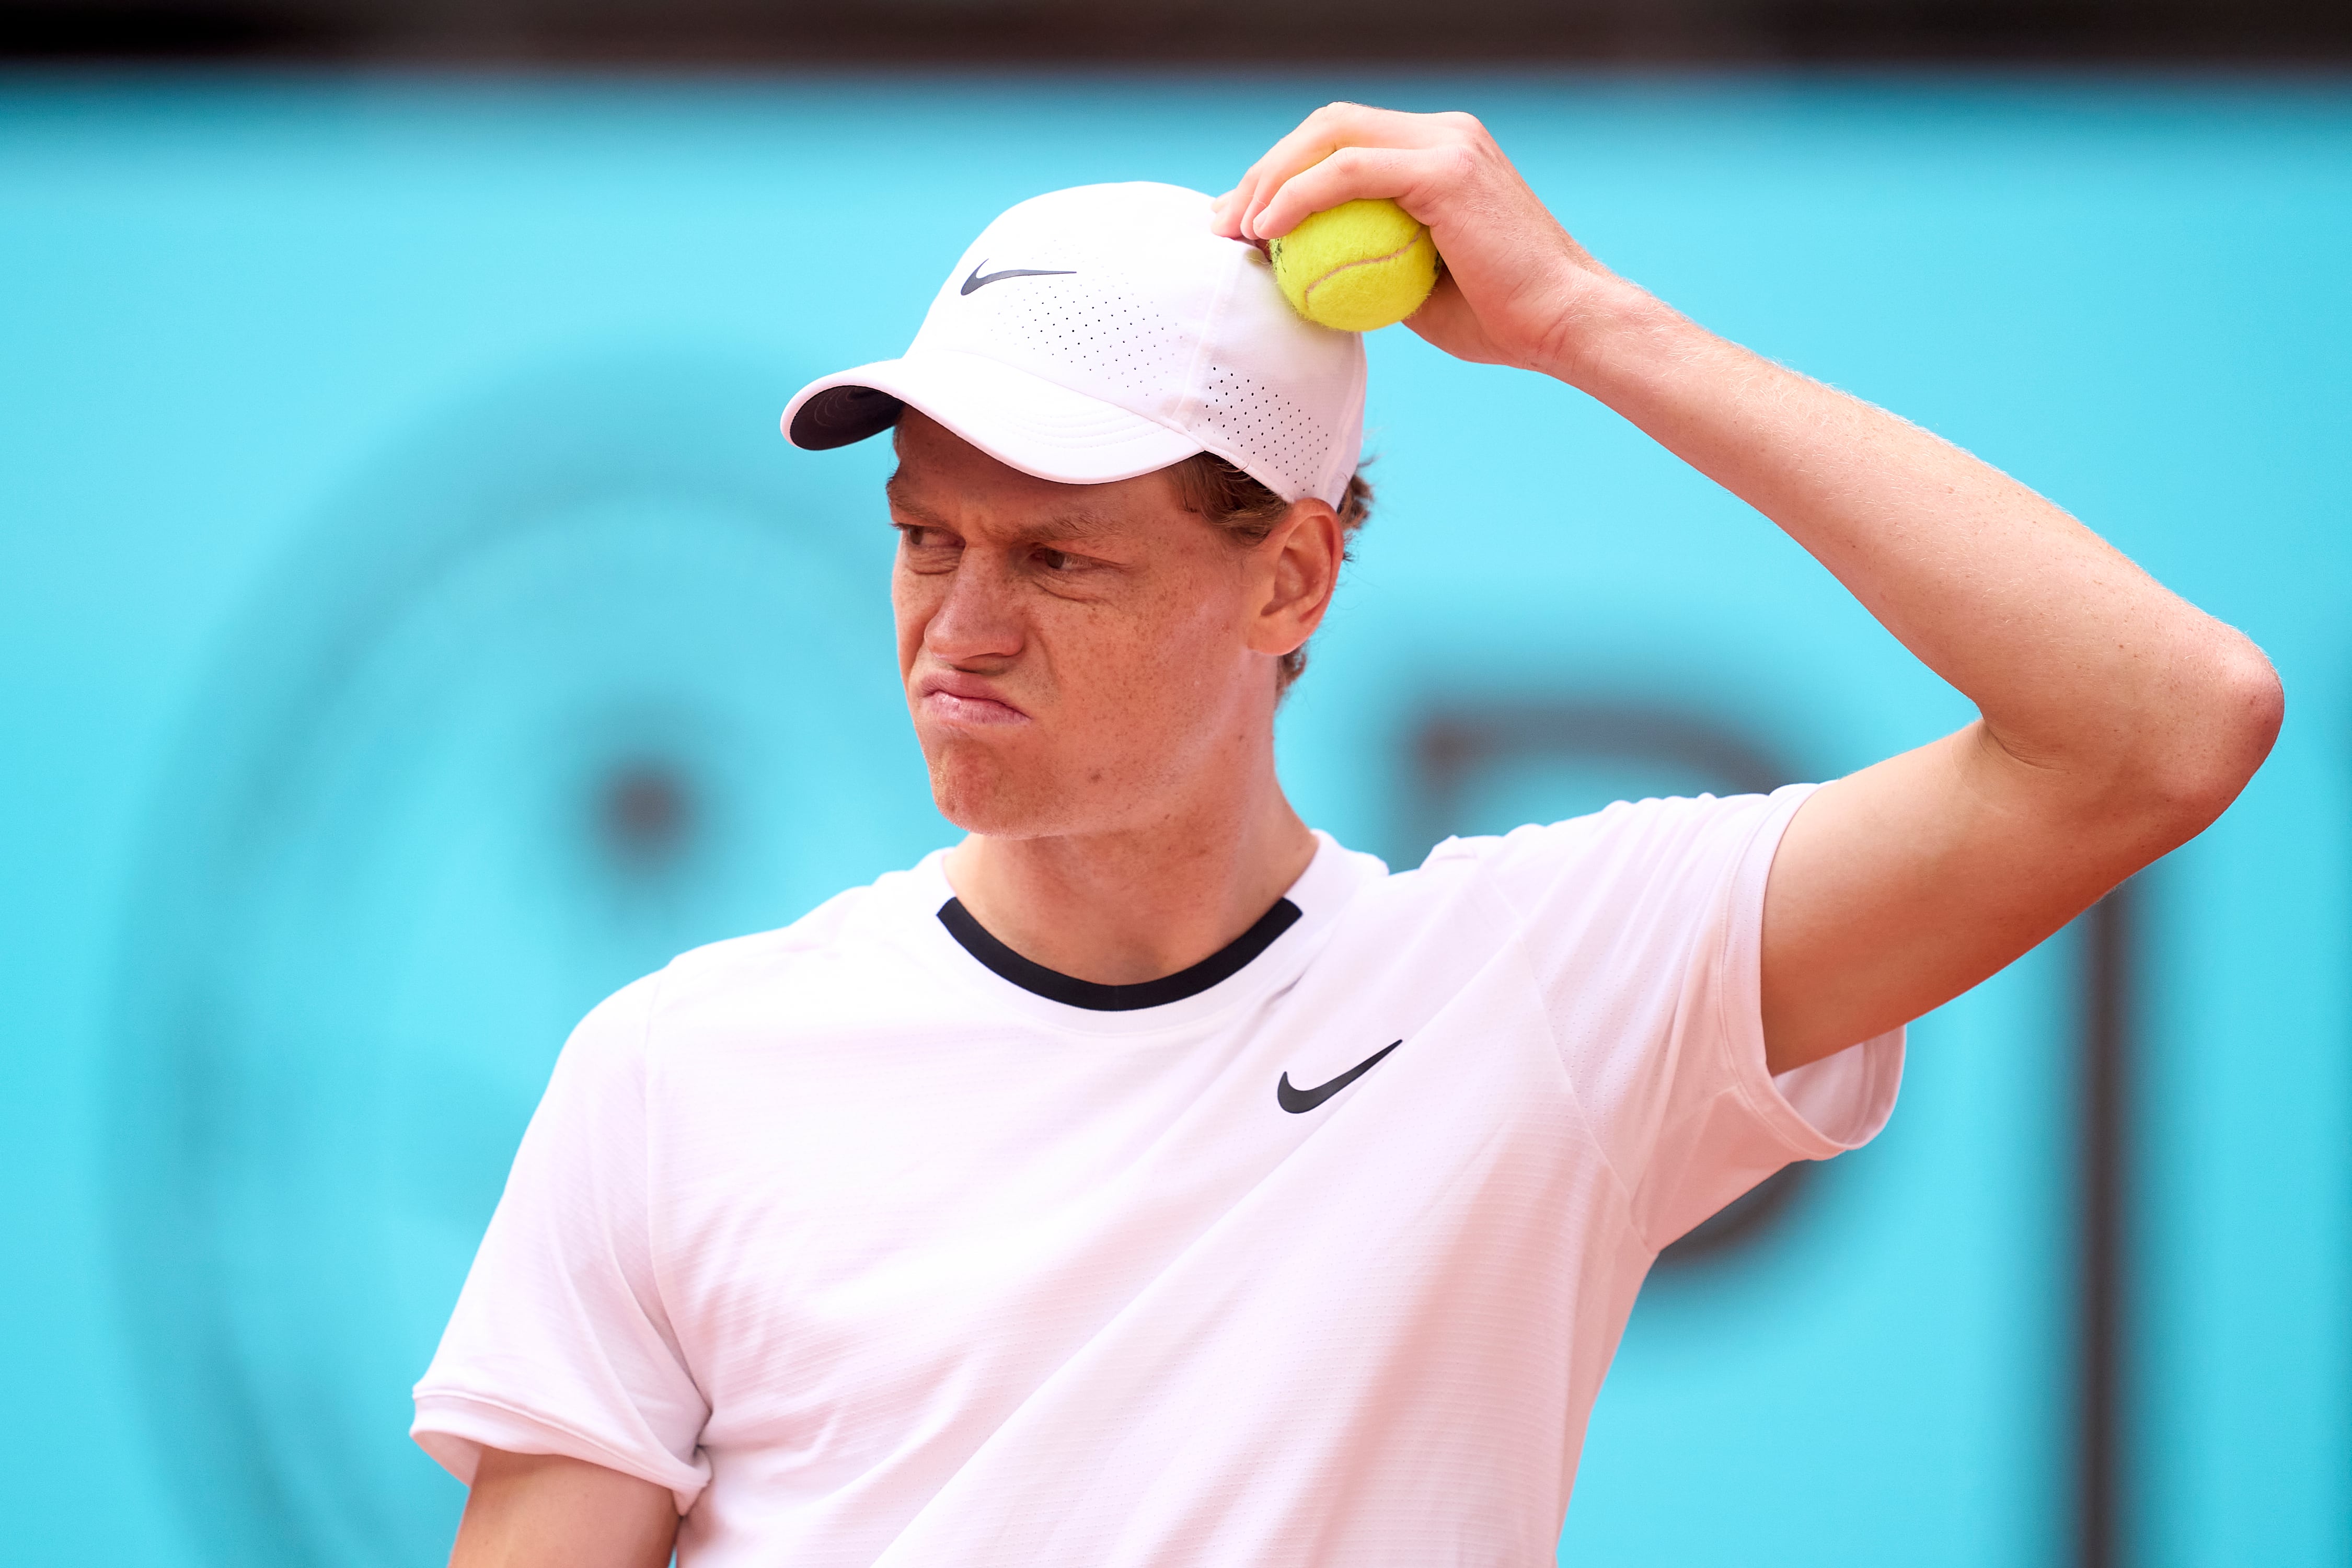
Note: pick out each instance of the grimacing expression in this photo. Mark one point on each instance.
(1086, 659)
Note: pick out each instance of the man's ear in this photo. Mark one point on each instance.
(1302, 553)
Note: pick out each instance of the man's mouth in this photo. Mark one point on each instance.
(965, 702)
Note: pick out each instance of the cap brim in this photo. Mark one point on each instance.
(1022, 420)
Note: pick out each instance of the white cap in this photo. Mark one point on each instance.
(1097, 333)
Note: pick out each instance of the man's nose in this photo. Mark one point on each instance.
(977, 618)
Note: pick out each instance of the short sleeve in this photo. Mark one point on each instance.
(559, 1343)
(1645, 926)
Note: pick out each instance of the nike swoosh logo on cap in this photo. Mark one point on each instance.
(1299, 1102)
(977, 281)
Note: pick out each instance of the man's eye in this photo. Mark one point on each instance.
(1052, 559)
(919, 538)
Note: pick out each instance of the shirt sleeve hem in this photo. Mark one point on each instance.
(454, 1428)
(1862, 1110)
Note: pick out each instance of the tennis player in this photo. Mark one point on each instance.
(1150, 1180)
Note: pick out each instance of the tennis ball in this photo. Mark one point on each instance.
(1359, 265)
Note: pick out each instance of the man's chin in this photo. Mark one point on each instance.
(981, 797)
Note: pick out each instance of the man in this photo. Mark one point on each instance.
(1149, 1180)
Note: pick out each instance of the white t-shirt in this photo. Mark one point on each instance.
(876, 1248)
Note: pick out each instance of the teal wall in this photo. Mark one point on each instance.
(411, 627)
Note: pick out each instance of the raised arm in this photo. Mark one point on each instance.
(543, 1511)
(2116, 719)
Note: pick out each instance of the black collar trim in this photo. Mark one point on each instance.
(1055, 986)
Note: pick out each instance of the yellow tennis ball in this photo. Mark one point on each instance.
(1359, 265)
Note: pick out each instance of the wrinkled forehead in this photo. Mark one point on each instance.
(945, 481)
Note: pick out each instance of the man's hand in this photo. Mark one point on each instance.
(2117, 721)
(1516, 290)
(543, 1510)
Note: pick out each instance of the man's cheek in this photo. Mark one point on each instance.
(909, 617)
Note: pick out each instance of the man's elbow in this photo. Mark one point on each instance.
(2228, 719)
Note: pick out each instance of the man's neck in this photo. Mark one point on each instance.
(1125, 907)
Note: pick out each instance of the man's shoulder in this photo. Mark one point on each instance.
(1620, 827)
(1628, 854)
(850, 941)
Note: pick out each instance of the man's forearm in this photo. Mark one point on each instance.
(2080, 663)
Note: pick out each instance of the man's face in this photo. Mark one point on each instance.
(1079, 659)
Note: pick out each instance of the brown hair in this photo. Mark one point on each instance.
(1247, 512)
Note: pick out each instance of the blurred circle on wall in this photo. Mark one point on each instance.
(592, 672)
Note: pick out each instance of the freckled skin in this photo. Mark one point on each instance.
(1134, 636)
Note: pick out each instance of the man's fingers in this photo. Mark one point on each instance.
(1513, 272)
(1348, 174)
(1221, 215)
(1226, 212)
(1309, 142)
(1321, 134)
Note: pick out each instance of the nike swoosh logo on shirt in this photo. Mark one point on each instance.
(1299, 1102)
(977, 281)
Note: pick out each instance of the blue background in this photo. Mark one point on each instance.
(388, 479)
